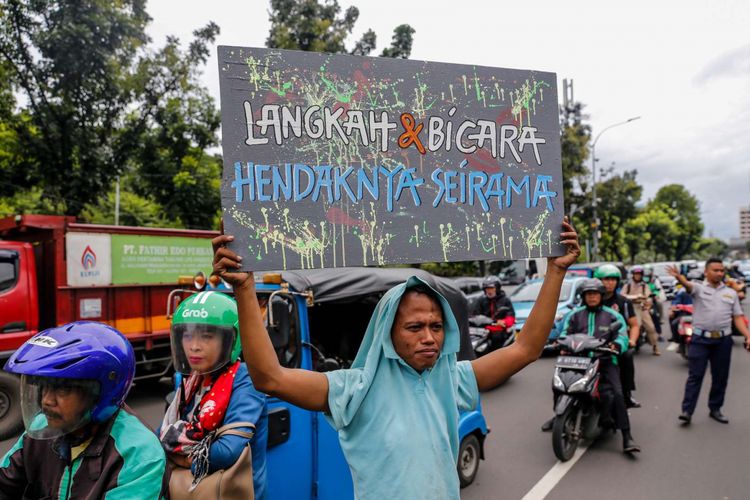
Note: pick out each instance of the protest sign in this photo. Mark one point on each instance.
(338, 160)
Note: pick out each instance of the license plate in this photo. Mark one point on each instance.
(574, 362)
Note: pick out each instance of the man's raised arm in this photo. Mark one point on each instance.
(675, 273)
(304, 388)
(496, 367)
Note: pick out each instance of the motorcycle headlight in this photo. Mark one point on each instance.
(689, 331)
(579, 385)
(557, 382)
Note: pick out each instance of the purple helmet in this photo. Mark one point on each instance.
(81, 351)
(636, 269)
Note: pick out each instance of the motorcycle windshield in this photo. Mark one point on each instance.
(580, 342)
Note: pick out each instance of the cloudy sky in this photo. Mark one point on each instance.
(684, 66)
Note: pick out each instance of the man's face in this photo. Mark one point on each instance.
(592, 299)
(490, 292)
(417, 332)
(610, 284)
(64, 406)
(715, 272)
(637, 277)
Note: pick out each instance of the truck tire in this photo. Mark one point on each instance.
(469, 454)
(11, 421)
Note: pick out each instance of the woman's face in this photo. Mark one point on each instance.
(202, 349)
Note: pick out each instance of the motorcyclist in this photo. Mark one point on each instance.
(681, 298)
(734, 271)
(640, 293)
(81, 441)
(495, 305)
(610, 276)
(657, 296)
(595, 318)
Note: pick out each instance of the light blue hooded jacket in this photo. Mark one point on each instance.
(399, 428)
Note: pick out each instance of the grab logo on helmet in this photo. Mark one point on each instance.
(201, 314)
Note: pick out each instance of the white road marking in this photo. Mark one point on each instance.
(672, 347)
(553, 476)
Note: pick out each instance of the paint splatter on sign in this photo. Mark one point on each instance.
(336, 160)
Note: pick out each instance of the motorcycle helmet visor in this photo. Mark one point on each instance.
(52, 407)
(201, 348)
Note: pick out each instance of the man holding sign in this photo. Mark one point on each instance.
(396, 410)
(337, 160)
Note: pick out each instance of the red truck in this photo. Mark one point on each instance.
(54, 271)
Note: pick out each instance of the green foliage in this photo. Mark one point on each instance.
(403, 37)
(619, 195)
(316, 26)
(708, 247)
(98, 103)
(574, 141)
(653, 233)
(134, 211)
(68, 59)
(30, 201)
(687, 216)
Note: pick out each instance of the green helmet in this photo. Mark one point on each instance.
(206, 317)
(608, 271)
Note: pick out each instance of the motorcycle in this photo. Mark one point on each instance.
(684, 317)
(486, 336)
(575, 384)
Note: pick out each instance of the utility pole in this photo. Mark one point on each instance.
(594, 202)
(117, 201)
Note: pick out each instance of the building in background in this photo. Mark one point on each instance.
(745, 223)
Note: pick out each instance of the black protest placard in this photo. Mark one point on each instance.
(338, 160)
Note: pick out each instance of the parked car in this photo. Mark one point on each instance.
(525, 296)
(745, 269)
(316, 321)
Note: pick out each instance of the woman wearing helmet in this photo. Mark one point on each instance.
(81, 440)
(216, 391)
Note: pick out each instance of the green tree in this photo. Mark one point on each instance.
(98, 102)
(574, 138)
(134, 211)
(66, 59)
(403, 37)
(317, 26)
(651, 235)
(687, 216)
(169, 162)
(709, 247)
(619, 195)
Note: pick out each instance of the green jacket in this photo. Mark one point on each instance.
(596, 324)
(123, 461)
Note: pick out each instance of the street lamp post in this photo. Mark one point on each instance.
(594, 203)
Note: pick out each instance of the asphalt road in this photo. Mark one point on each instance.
(703, 461)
